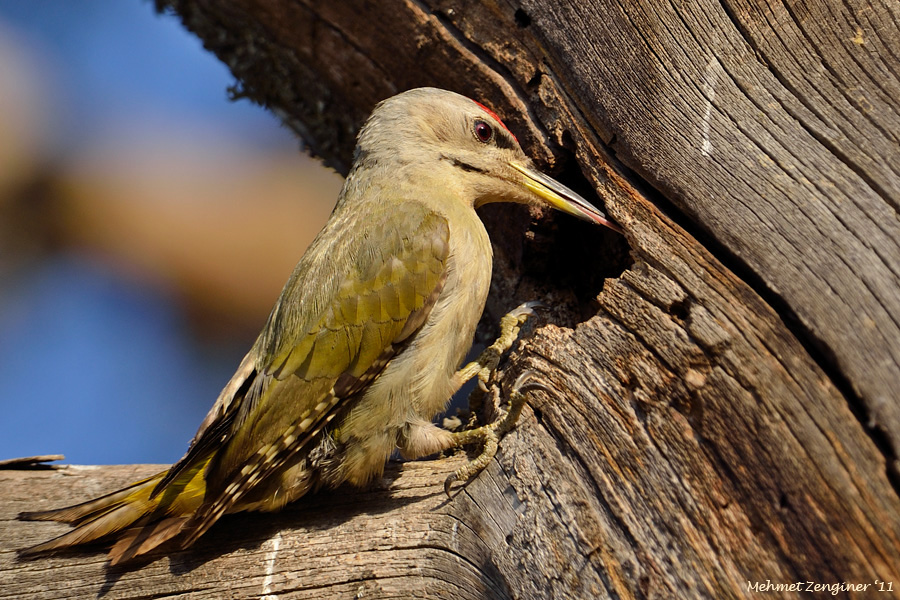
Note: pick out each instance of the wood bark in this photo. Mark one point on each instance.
(720, 406)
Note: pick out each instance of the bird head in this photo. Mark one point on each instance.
(462, 143)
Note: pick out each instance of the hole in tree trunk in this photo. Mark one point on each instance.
(551, 257)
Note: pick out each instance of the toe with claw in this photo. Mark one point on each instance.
(485, 365)
(489, 435)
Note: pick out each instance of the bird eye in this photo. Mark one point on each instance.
(483, 131)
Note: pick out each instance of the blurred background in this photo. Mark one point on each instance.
(147, 225)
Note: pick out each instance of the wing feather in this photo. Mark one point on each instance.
(320, 346)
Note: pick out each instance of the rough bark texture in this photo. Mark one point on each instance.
(722, 407)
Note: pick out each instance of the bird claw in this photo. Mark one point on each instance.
(486, 364)
(527, 309)
(490, 440)
(484, 368)
(448, 483)
(490, 434)
(526, 381)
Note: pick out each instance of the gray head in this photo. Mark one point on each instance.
(464, 144)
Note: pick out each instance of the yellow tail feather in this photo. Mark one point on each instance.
(144, 520)
(97, 518)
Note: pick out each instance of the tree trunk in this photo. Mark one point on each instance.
(720, 408)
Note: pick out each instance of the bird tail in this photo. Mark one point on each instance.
(145, 520)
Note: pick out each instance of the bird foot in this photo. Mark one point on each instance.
(485, 365)
(489, 435)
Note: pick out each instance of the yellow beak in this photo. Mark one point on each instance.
(562, 198)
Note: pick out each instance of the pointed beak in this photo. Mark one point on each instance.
(562, 198)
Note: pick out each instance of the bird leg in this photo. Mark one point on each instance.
(490, 434)
(486, 364)
(484, 368)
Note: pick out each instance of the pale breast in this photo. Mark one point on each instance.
(448, 333)
(418, 382)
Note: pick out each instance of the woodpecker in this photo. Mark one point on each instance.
(363, 347)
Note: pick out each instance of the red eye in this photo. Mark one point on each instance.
(483, 131)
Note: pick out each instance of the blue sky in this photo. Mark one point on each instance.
(98, 368)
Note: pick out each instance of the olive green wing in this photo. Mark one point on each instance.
(384, 296)
(348, 307)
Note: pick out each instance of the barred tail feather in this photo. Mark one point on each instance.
(97, 518)
(142, 519)
(86, 511)
(140, 540)
(267, 460)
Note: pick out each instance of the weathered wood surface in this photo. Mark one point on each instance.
(723, 408)
(353, 544)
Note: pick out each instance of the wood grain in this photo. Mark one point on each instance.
(773, 127)
(399, 539)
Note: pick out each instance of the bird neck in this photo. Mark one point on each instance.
(437, 186)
